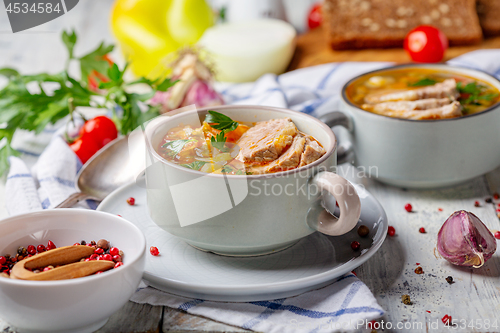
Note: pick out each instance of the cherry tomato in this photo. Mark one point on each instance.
(314, 18)
(426, 44)
(84, 149)
(101, 130)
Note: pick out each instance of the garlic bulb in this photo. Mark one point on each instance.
(465, 241)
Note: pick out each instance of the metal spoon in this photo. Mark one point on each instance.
(107, 170)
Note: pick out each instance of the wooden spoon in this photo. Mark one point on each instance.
(67, 257)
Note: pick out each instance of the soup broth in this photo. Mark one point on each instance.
(421, 94)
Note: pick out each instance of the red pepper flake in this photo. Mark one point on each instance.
(418, 264)
(440, 209)
(391, 231)
(427, 311)
(408, 207)
(446, 320)
(497, 235)
(476, 204)
(496, 196)
(131, 201)
(422, 230)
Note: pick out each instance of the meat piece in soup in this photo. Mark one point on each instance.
(421, 94)
(266, 140)
(231, 148)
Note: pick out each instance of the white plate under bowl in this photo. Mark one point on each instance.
(310, 264)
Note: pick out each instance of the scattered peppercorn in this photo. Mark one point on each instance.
(355, 245)
(419, 270)
(22, 251)
(422, 230)
(449, 279)
(496, 196)
(488, 200)
(476, 204)
(408, 208)
(131, 201)
(391, 231)
(103, 244)
(497, 235)
(154, 251)
(406, 299)
(446, 320)
(363, 231)
(51, 245)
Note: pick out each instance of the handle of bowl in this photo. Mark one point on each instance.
(347, 200)
(338, 118)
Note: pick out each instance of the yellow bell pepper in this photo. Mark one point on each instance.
(149, 30)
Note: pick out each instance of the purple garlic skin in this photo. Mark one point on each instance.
(202, 94)
(464, 240)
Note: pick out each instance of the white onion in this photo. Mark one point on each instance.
(244, 51)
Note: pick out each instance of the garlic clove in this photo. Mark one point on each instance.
(465, 241)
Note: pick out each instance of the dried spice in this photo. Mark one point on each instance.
(363, 231)
(406, 299)
(419, 270)
(449, 279)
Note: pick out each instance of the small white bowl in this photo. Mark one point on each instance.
(76, 305)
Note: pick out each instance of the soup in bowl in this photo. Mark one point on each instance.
(407, 142)
(226, 208)
(421, 93)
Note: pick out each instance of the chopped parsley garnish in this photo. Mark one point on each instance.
(175, 146)
(196, 165)
(221, 122)
(474, 92)
(423, 83)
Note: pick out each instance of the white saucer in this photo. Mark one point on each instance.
(311, 263)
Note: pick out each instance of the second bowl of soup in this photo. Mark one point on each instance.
(422, 126)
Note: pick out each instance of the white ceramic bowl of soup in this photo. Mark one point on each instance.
(75, 305)
(423, 153)
(244, 215)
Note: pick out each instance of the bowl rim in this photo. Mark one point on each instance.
(86, 279)
(346, 100)
(241, 108)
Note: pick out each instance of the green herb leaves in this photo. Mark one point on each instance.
(474, 93)
(219, 141)
(423, 83)
(175, 147)
(221, 122)
(32, 110)
(196, 165)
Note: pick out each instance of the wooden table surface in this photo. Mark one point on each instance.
(390, 273)
(312, 49)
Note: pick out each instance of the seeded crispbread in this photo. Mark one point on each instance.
(352, 24)
(489, 16)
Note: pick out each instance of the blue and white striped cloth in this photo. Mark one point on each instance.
(315, 90)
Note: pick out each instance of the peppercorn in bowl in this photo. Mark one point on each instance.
(67, 269)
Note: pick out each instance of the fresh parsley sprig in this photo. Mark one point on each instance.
(32, 110)
(224, 124)
(220, 121)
